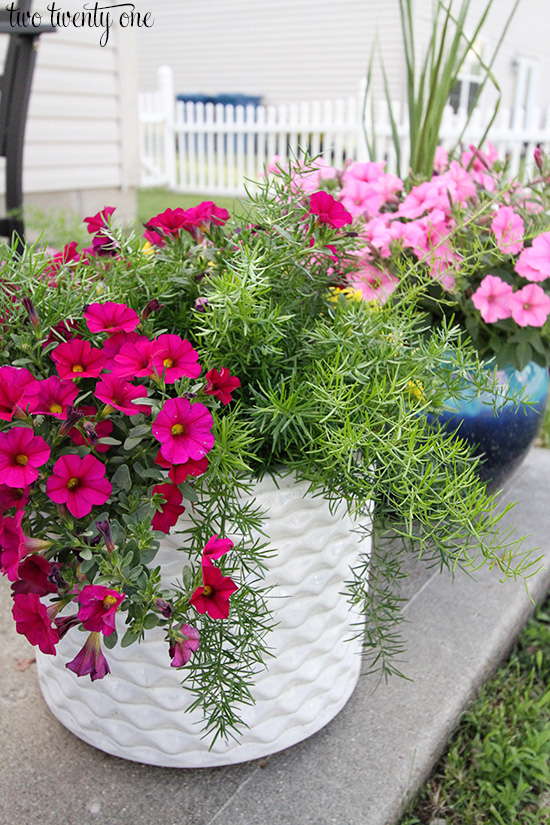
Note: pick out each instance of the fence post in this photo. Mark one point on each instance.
(166, 89)
(363, 104)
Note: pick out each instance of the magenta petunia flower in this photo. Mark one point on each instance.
(114, 343)
(215, 548)
(530, 306)
(213, 596)
(493, 299)
(119, 394)
(328, 210)
(534, 262)
(21, 377)
(55, 396)
(182, 648)
(21, 454)
(179, 472)
(103, 429)
(134, 359)
(13, 497)
(509, 230)
(111, 317)
(78, 359)
(184, 431)
(10, 397)
(373, 282)
(100, 220)
(169, 222)
(35, 575)
(174, 357)
(90, 661)
(12, 546)
(79, 483)
(98, 605)
(200, 218)
(221, 384)
(171, 509)
(34, 621)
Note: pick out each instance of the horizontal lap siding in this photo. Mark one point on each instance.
(73, 137)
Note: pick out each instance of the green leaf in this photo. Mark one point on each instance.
(110, 640)
(112, 442)
(132, 442)
(129, 638)
(121, 479)
(86, 553)
(151, 620)
(524, 354)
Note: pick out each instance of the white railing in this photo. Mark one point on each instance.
(222, 149)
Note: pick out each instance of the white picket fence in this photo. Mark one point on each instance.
(222, 149)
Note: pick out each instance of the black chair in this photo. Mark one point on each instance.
(15, 90)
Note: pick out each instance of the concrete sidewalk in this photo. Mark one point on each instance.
(359, 770)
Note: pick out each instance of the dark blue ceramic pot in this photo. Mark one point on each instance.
(503, 439)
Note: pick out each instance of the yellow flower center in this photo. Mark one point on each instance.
(21, 459)
(206, 590)
(177, 429)
(56, 408)
(109, 601)
(73, 482)
(78, 368)
(168, 363)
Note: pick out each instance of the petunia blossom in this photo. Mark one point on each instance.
(55, 396)
(177, 473)
(25, 380)
(79, 483)
(13, 497)
(493, 299)
(374, 283)
(100, 220)
(328, 210)
(174, 357)
(534, 262)
(98, 606)
(35, 574)
(215, 548)
(90, 660)
(214, 594)
(184, 430)
(120, 394)
(530, 306)
(34, 621)
(134, 359)
(114, 343)
(508, 228)
(221, 384)
(184, 645)
(21, 454)
(111, 317)
(78, 359)
(171, 509)
(12, 548)
(103, 429)
(10, 397)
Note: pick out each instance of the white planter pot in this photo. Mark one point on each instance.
(138, 711)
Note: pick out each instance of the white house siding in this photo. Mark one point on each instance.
(81, 147)
(291, 50)
(283, 50)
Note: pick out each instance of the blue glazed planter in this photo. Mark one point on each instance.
(503, 439)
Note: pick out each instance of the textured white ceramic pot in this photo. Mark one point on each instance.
(138, 711)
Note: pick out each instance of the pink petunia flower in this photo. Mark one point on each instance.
(10, 396)
(25, 380)
(202, 217)
(63, 331)
(12, 548)
(169, 223)
(98, 605)
(221, 384)
(174, 357)
(530, 306)
(184, 431)
(493, 299)
(119, 394)
(34, 621)
(13, 497)
(103, 429)
(171, 509)
(79, 483)
(100, 220)
(509, 230)
(215, 548)
(35, 575)
(534, 262)
(328, 210)
(441, 159)
(78, 359)
(111, 317)
(21, 454)
(90, 660)
(214, 594)
(55, 396)
(182, 648)
(134, 359)
(179, 472)
(114, 343)
(374, 283)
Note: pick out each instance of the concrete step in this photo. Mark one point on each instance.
(359, 770)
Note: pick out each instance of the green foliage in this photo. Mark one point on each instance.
(496, 768)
